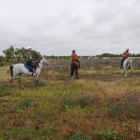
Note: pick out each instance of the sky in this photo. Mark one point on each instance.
(56, 27)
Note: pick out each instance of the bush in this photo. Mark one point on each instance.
(2, 64)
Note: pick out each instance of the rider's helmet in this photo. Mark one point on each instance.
(73, 51)
(127, 49)
(29, 48)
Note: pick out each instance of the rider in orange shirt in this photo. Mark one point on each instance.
(74, 57)
(126, 54)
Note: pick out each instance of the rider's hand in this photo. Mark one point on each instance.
(33, 59)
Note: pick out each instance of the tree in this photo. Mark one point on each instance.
(23, 52)
(18, 53)
(36, 55)
(9, 53)
(1, 59)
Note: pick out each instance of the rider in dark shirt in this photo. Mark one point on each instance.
(29, 60)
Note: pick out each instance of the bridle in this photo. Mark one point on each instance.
(40, 62)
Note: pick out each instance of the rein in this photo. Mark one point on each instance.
(39, 62)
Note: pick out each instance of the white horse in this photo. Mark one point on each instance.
(127, 64)
(20, 69)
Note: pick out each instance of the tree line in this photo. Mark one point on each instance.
(21, 53)
(115, 55)
(18, 53)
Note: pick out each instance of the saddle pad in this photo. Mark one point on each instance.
(28, 67)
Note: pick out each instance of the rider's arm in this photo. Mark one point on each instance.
(29, 56)
(123, 54)
(76, 56)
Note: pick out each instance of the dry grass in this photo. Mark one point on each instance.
(40, 118)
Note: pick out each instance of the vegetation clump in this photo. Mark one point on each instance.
(129, 105)
(26, 103)
(81, 100)
(4, 91)
(109, 133)
(80, 136)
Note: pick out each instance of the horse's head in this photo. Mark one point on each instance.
(45, 60)
(130, 62)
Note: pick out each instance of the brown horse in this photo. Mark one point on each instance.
(74, 67)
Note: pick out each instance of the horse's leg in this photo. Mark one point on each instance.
(76, 73)
(20, 80)
(12, 80)
(72, 69)
(37, 80)
(125, 70)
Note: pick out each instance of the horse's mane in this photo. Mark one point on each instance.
(38, 61)
(128, 60)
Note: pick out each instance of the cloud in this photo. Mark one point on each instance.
(57, 27)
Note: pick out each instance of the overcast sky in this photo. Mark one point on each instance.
(56, 27)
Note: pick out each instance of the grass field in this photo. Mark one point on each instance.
(100, 105)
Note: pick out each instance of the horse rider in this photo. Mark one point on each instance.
(126, 54)
(74, 57)
(29, 60)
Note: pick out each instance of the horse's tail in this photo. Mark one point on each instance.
(11, 69)
(72, 68)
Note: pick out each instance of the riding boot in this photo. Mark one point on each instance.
(34, 72)
(78, 62)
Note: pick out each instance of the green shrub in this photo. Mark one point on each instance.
(80, 136)
(2, 64)
(108, 134)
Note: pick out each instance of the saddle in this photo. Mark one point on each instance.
(76, 61)
(29, 67)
